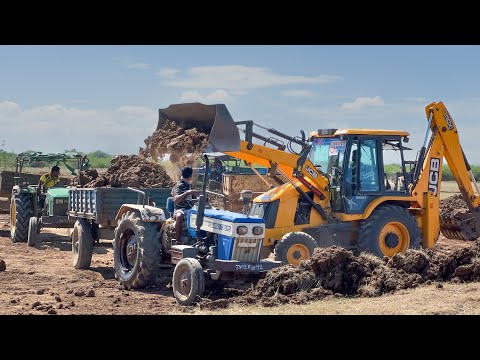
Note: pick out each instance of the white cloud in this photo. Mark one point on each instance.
(9, 108)
(138, 66)
(234, 77)
(167, 72)
(363, 102)
(420, 100)
(297, 93)
(141, 111)
(54, 128)
(212, 98)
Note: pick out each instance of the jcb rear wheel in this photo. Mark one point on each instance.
(294, 247)
(390, 230)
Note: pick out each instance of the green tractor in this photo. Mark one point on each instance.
(32, 209)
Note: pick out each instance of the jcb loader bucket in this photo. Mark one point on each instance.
(214, 120)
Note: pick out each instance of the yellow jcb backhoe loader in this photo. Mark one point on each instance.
(335, 190)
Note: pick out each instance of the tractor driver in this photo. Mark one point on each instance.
(182, 192)
(46, 182)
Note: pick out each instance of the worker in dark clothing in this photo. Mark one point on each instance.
(182, 192)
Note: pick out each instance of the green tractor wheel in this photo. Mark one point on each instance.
(33, 231)
(20, 212)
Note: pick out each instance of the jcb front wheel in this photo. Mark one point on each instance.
(390, 230)
(294, 247)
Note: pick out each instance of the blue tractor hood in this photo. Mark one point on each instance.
(226, 215)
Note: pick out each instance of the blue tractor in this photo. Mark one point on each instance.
(217, 245)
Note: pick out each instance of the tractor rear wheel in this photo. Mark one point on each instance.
(20, 212)
(33, 230)
(136, 251)
(294, 247)
(389, 230)
(188, 281)
(82, 244)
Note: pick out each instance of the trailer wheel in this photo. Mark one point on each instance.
(390, 230)
(188, 281)
(294, 247)
(136, 251)
(82, 244)
(20, 212)
(33, 230)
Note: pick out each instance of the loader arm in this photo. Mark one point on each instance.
(288, 163)
(445, 143)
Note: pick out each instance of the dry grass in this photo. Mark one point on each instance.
(448, 189)
(425, 300)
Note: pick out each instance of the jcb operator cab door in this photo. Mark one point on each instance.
(365, 176)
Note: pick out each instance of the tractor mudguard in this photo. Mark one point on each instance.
(148, 213)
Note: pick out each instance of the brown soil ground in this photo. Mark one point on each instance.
(41, 279)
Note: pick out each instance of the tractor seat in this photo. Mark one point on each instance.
(170, 205)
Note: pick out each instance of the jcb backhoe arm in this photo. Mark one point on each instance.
(445, 142)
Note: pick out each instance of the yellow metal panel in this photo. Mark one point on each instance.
(453, 150)
(430, 220)
(372, 206)
(361, 132)
(371, 132)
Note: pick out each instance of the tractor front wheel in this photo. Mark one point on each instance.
(33, 230)
(188, 281)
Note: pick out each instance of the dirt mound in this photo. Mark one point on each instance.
(336, 271)
(184, 146)
(89, 175)
(130, 170)
(451, 204)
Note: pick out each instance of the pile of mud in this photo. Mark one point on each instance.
(129, 170)
(184, 146)
(451, 204)
(336, 271)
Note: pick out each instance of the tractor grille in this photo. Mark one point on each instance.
(60, 209)
(246, 249)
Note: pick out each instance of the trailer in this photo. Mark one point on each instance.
(94, 211)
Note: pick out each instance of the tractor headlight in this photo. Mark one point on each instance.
(257, 230)
(242, 230)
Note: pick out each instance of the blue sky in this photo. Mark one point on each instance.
(54, 98)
